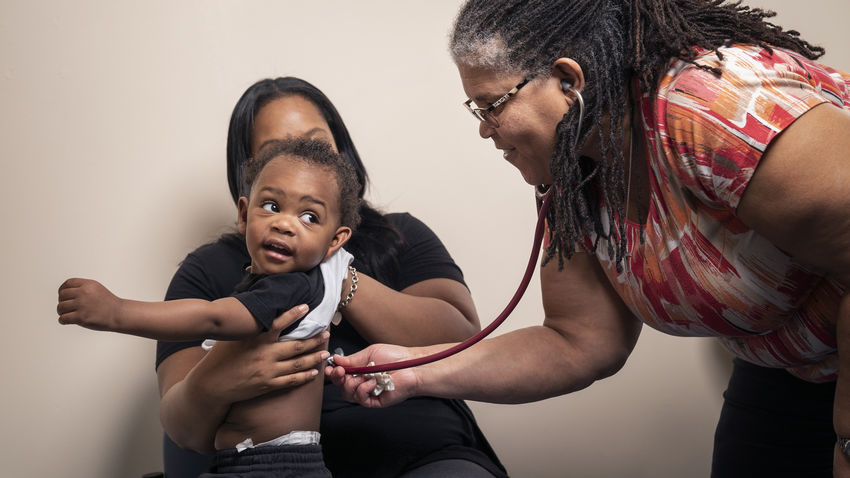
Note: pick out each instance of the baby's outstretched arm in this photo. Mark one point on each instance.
(89, 304)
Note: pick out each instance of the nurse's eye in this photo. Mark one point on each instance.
(271, 206)
(309, 217)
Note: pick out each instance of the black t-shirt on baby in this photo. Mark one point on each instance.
(267, 296)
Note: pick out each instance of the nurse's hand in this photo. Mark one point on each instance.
(358, 389)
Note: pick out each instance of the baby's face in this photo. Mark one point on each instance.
(291, 218)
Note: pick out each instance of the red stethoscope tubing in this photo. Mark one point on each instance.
(542, 206)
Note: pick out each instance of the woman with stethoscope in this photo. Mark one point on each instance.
(698, 160)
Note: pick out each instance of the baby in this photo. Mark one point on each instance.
(302, 208)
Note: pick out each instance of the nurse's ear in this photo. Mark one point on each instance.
(569, 72)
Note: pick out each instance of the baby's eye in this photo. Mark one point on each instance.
(309, 217)
(270, 206)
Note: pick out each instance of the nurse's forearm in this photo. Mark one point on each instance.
(587, 335)
(525, 365)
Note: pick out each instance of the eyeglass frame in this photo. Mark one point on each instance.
(484, 113)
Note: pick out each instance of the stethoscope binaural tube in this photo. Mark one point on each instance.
(544, 197)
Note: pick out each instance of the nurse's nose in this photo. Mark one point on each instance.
(485, 130)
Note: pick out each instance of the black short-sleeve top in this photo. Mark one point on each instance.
(267, 296)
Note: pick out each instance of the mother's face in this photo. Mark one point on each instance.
(290, 116)
(527, 121)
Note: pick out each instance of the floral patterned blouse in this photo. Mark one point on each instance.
(700, 271)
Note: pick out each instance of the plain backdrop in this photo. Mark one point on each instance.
(113, 118)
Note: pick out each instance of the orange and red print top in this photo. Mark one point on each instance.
(700, 271)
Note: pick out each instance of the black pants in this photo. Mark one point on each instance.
(295, 461)
(774, 425)
(453, 468)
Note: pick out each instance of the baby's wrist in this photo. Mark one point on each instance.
(119, 322)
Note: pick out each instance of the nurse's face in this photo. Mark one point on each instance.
(527, 121)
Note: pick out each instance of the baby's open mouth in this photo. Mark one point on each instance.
(278, 247)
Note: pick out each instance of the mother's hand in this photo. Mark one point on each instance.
(241, 370)
(198, 388)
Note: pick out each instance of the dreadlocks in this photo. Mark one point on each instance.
(612, 41)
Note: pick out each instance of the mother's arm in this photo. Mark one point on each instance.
(434, 305)
(198, 387)
(427, 312)
(587, 334)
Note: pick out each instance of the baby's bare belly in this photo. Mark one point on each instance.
(272, 415)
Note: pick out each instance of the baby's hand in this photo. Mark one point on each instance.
(87, 303)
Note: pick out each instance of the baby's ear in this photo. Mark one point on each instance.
(242, 218)
(343, 234)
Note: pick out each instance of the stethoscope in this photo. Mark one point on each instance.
(544, 197)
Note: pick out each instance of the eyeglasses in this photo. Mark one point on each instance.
(486, 115)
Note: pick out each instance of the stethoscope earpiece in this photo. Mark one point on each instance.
(566, 85)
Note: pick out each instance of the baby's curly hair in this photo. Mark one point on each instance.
(318, 153)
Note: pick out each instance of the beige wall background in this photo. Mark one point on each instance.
(113, 118)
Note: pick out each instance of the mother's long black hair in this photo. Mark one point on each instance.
(376, 242)
(613, 41)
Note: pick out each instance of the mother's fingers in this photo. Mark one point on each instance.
(292, 349)
(300, 363)
(292, 380)
(285, 319)
(296, 371)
